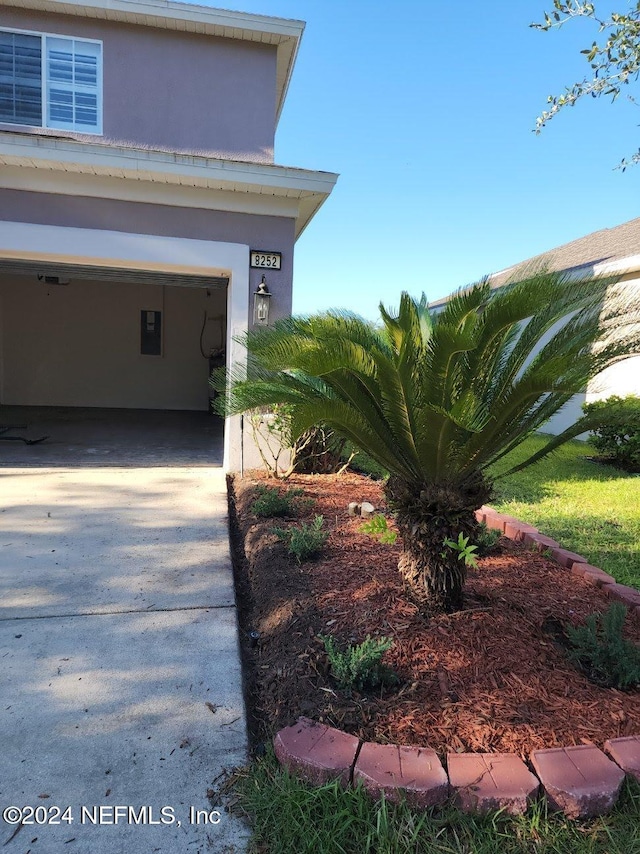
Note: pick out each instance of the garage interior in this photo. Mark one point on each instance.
(109, 364)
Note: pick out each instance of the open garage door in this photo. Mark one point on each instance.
(78, 342)
(106, 338)
(112, 320)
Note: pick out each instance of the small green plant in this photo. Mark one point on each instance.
(598, 646)
(270, 501)
(304, 541)
(464, 549)
(359, 666)
(486, 540)
(378, 527)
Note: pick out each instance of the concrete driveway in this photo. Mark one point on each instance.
(121, 683)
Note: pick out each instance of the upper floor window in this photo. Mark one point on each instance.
(50, 81)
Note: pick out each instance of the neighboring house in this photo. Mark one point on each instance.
(610, 252)
(136, 175)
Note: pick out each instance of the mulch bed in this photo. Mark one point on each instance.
(492, 677)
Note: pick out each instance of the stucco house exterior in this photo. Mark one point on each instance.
(137, 180)
(609, 252)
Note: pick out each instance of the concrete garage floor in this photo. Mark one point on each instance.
(121, 681)
(84, 436)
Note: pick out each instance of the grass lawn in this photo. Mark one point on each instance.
(589, 508)
(289, 817)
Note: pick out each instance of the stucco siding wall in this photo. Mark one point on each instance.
(259, 232)
(79, 345)
(567, 416)
(171, 90)
(622, 379)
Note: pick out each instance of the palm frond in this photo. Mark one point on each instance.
(439, 397)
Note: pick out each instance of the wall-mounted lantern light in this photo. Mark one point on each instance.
(261, 300)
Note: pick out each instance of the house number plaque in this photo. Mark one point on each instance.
(266, 260)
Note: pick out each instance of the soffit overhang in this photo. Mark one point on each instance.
(137, 171)
(283, 33)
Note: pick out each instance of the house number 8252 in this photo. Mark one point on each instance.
(271, 260)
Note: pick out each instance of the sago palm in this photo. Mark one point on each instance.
(437, 399)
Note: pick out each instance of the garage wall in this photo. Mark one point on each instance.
(79, 345)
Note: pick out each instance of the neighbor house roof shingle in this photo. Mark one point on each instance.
(607, 246)
(599, 247)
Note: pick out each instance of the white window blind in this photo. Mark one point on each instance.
(72, 84)
(63, 92)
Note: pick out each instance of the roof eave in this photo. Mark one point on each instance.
(309, 189)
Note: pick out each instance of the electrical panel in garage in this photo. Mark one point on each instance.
(151, 333)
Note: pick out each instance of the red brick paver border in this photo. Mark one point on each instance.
(484, 782)
(316, 752)
(496, 521)
(592, 574)
(626, 753)
(581, 781)
(518, 530)
(390, 769)
(566, 558)
(540, 542)
(629, 596)
(482, 513)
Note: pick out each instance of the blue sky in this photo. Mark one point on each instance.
(426, 110)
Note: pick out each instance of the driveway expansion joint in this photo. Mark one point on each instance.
(118, 613)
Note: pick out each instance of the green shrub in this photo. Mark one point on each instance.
(319, 450)
(361, 462)
(378, 527)
(618, 439)
(486, 539)
(359, 666)
(304, 541)
(605, 655)
(271, 502)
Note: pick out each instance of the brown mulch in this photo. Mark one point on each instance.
(493, 677)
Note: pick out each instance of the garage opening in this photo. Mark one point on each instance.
(95, 357)
(73, 337)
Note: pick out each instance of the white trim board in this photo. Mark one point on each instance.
(66, 153)
(61, 244)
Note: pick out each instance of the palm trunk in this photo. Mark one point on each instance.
(434, 582)
(426, 516)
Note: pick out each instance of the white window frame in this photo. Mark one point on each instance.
(44, 83)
